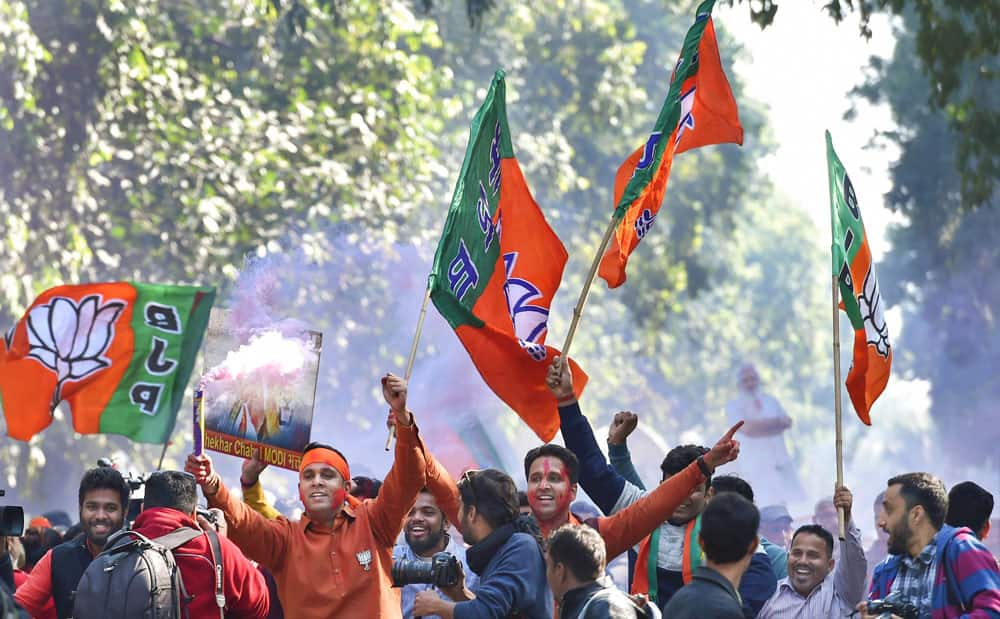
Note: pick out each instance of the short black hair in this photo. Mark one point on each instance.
(493, 494)
(680, 457)
(173, 489)
(733, 483)
(818, 531)
(925, 490)
(105, 478)
(969, 505)
(581, 549)
(728, 527)
(568, 458)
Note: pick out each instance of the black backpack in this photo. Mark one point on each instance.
(135, 577)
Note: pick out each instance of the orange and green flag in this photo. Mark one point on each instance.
(119, 354)
(860, 294)
(496, 269)
(699, 110)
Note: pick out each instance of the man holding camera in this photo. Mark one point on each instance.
(427, 554)
(103, 500)
(935, 569)
(506, 553)
(335, 561)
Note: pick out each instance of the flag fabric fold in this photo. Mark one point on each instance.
(119, 354)
(699, 110)
(496, 269)
(860, 295)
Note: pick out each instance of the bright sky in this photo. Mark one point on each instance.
(802, 68)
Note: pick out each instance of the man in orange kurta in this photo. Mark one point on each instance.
(336, 560)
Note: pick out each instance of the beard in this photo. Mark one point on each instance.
(420, 546)
(899, 538)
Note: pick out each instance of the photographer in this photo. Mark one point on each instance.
(940, 570)
(425, 534)
(103, 499)
(506, 557)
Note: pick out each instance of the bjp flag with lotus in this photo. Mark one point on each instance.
(119, 354)
(699, 110)
(497, 267)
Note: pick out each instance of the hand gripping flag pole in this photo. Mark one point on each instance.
(412, 358)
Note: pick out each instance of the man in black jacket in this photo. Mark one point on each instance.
(728, 538)
(575, 569)
(103, 496)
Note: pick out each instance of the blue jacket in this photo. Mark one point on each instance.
(513, 581)
(605, 486)
(967, 582)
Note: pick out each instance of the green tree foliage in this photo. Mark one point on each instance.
(955, 47)
(162, 141)
(943, 262)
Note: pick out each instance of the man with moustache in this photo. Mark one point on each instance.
(336, 560)
(426, 533)
(943, 571)
(817, 586)
(103, 501)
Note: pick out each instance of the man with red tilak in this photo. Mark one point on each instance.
(336, 561)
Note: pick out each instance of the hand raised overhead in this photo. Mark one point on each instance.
(726, 449)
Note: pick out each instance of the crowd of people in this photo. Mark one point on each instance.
(421, 544)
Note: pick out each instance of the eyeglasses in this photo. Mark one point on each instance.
(466, 480)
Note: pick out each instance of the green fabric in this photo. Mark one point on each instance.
(651, 561)
(670, 113)
(470, 244)
(848, 231)
(122, 415)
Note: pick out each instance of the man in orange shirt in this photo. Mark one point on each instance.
(336, 561)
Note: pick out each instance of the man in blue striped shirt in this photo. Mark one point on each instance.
(817, 586)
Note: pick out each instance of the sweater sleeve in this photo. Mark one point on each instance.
(757, 585)
(976, 576)
(263, 540)
(254, 497)
(851, 569)
(400, 488)
(621, 461)
(37, 589)
(508, 586)
(629, 526)
(599, 480)
(247, 596)
(443, 487)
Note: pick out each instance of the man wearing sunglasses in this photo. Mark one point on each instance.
(336, 560)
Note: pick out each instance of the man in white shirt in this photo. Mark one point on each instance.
(817, 586)
(764, 460)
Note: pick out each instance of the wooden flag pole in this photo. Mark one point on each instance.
(413, 355)
(578, 310)
(838, 405)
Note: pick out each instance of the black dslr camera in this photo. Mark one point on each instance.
(441, 571)
(11, 519)
(903, 609)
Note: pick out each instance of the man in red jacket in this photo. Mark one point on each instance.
(170, 503)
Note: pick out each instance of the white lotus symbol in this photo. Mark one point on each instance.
(70, 339)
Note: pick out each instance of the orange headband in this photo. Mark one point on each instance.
(326, 456)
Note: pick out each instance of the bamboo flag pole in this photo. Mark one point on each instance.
(413, 355)
(578, 310)
(838, 406)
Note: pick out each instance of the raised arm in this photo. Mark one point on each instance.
(852, 566)
(600, 481)
(406, 477)
(265, 541)
(253, 493)
(629, 526)
(621, 460)
(443, 487)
